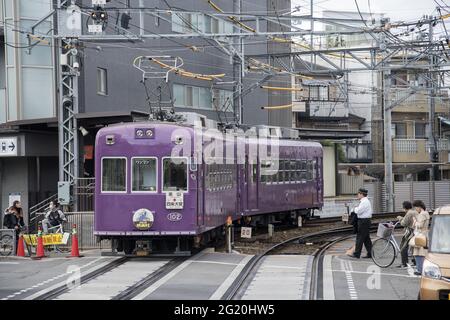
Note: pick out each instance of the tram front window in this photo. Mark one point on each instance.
(175, 174)
(114, 174)
(144, 174)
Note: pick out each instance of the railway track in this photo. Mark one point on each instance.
(129, 292)
(235, 291)
(329, 236)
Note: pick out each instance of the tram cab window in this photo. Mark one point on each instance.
(114, 174)
(175, 174)
(144, 174)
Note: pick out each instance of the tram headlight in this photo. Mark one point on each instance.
(149, 133)
(140, 133)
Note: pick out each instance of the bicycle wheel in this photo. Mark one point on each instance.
(61, 249)
(6, 245)
(383, 253)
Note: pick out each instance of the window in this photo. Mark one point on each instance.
(178, 95)
(175, 174)
(178, 22)
(189, 99)
(420, 130)
(205, 98)
(400, 130)
(114, 174)
(144, 174)
(102, 81)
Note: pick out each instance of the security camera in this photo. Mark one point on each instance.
(67, 102)
(83, 131)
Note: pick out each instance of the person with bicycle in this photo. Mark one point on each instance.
(364, 214)
(13, 219)
(54, 216)
(408, 223)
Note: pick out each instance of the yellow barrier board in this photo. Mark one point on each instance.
(47, 239)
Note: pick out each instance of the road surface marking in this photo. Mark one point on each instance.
(328, 284)
(164, 279)
(346, 267)
(229, 280)
(59, 284)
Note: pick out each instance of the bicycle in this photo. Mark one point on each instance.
(386, 248)
(58, 229)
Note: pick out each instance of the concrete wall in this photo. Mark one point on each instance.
(35, 178)
(14, 179)
(329, 172)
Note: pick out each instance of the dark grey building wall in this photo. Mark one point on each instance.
(14, 179)
(125, 93)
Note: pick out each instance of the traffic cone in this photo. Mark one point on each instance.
(40, 246)
(20, 247)
(75, 252)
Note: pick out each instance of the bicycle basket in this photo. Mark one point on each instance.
(385, 230)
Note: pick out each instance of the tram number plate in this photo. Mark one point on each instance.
(174, 200)
(246, 232)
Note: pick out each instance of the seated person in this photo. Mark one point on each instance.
(54, 216)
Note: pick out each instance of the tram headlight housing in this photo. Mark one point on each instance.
(110, 140)
(431, 270)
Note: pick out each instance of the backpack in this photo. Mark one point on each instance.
(54, 218)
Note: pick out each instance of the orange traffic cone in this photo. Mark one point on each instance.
(40, 246)
(75, 252)
(20, 247)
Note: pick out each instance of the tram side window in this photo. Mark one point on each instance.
(144, 174)
(175, 174)
(314, 169)
(303, 174)
(114, 174)
(293, 168)
(310, 170)
(298, 167)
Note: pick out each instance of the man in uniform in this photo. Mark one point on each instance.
(364, 213)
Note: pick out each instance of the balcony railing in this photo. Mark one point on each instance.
(358, 152)
(410, 150)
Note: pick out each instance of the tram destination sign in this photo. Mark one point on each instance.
(8, 147)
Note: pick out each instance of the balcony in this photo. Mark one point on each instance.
(410, 150)
(419, 101)
(358, 152)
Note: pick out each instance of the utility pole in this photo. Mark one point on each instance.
(68, 107)
(432, 108)
(388, 177)
(238, 70)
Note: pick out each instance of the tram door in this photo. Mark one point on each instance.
(318, 178)
(201, 172)
(252, 185)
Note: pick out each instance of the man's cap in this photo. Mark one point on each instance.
(363, 191)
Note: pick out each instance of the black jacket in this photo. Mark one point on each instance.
(10, 221)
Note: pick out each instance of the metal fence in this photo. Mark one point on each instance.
(83, 191)
(85, 230)
(349, 184)
(433, 193)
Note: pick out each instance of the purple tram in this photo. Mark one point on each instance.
(146, 194)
